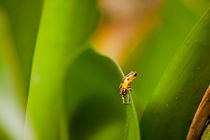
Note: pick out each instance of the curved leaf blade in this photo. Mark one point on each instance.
(24, 17)
(152, 57)
(181, 88)
(93, 102)
(12, 97)
(65, 26)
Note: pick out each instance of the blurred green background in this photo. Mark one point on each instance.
(61, 63)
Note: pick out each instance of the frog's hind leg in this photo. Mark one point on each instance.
(123, 91)
(128, 99)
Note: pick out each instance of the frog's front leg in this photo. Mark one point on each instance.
(123, 99)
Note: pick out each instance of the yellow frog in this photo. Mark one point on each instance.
(125, 85)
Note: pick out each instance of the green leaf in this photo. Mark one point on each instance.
(132, 127)
(24, 16)
(206, 133)
(197, 7)
(94, 106)
(174, 24)
(65, 26)
(175, 99)
(11, 89)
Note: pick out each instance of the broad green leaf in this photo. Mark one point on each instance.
(175, 22)
(11, 86)
(132, 127)
(95, 109)
(24, 16)
(65, 25)
(177, 96)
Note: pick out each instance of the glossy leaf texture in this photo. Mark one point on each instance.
(93, 104)
(65, 26)
(177, 96)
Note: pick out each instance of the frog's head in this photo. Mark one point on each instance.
(133, 75)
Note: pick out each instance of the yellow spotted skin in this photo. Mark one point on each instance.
(128, 79)
(125, 84)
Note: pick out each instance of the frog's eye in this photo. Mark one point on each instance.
(135, 74)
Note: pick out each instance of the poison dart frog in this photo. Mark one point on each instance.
(125, 86)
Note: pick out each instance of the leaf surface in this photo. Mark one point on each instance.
(24, 18)
(65, 26)
(177, 96)
(94, 106)
(152, 56)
